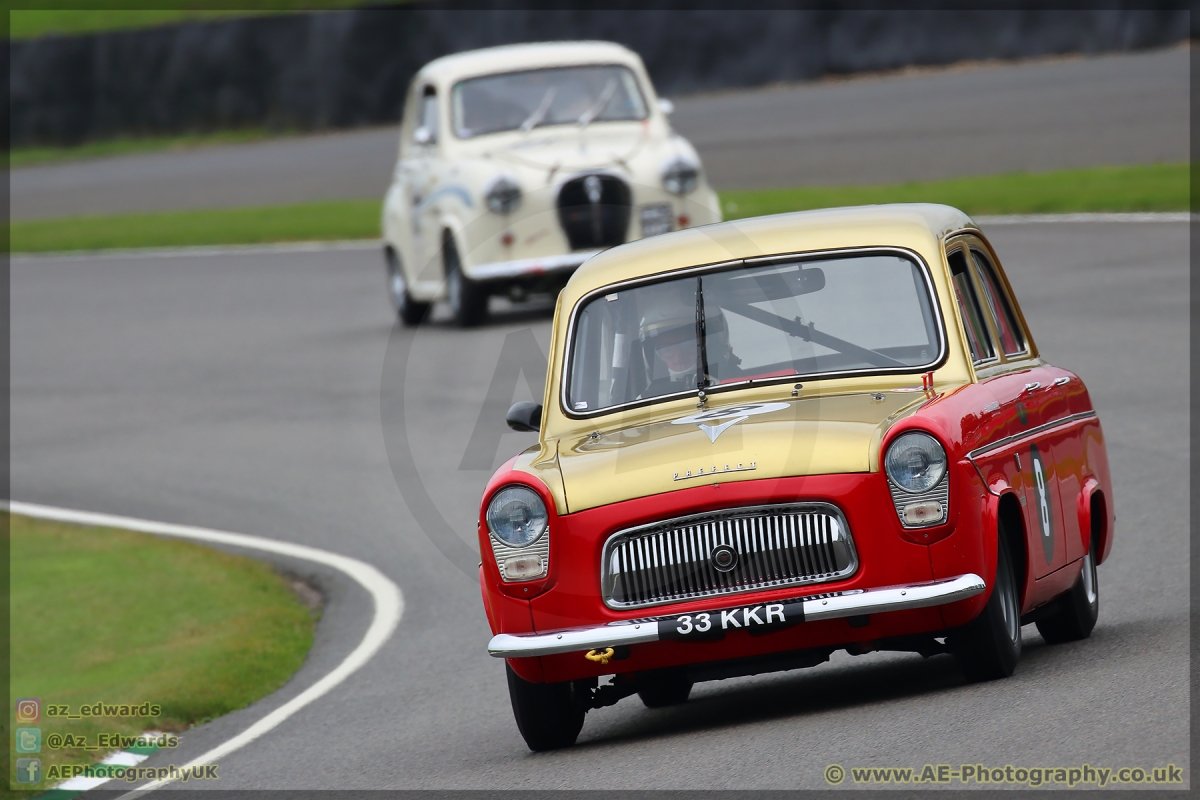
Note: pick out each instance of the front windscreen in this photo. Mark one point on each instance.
(557, 96)
(851, 314)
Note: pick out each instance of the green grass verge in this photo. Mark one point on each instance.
(31, 23)
(1154, 187)
(32, 156)
(102, 615)
(1157, 187)
(332, 220)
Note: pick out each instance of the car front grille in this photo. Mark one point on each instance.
(594, 211)
(676, 559)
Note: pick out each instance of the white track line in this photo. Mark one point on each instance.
(1043, 219)
(389, 606)
(376, 244)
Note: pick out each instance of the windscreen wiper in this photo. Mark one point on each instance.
(598, 107)
(539, 113)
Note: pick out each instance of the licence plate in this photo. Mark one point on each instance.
(762, 618)
(656, 219)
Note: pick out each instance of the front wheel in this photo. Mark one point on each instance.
(989, 646)
(468, 300)
(410, 312)
(547, 714)
(1078, 609)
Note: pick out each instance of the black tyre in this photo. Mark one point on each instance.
(1078, 609)
(546, 713)
(662, 690)
(468, 300)
(989, 646)
(409, 311)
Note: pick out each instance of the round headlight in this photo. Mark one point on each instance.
(915, 462)
(680, 176)
(503, 195)
(517, 516)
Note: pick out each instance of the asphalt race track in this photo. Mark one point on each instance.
(269, 393)
(972, 120)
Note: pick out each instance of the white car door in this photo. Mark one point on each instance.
(420, 179)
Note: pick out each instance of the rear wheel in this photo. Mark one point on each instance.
(989, 646)
(1078, 609)
(468, 301)
(665, 689)
(410, 312)
(547, 714)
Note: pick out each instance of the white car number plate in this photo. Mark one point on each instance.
(761, 618)
(656, 219)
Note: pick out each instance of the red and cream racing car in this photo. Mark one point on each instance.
(766, 440)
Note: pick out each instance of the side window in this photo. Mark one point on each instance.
(1012, 339)
(427, 119)
(978, 337)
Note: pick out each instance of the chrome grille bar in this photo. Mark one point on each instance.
(778, 545)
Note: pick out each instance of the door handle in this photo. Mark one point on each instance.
(1029, 387)
(1061, 381)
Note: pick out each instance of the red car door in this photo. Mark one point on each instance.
(1024, 403)
(1035, 408)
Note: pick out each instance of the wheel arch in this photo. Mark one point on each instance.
(1011, 520)
(1095, 519)
(452, 228)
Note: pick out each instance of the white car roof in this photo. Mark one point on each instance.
(510, 58)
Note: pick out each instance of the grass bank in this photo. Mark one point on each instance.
(31, 23)
(1156, 187)
(331, 220)
(113, 617)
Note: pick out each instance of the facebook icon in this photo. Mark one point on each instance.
(29, 770)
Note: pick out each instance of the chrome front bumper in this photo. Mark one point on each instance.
(830, 606)
(499, 270)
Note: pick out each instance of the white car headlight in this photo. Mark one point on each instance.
(915, 462)
(517, 516)
(680, 176)
(503, 195)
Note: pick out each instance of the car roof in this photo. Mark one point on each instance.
(914, 226)
(513, 57)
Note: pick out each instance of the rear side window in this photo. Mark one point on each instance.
(978, 338)
(1012, 339)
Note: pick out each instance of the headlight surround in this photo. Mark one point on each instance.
(915, 462)
(503, 195)
(680, 176)
(517, 517)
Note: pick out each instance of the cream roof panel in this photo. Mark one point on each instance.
(917, 226)
(509, 58)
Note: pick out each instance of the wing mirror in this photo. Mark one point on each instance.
(423, 135)
(666, 106)
(525, 416)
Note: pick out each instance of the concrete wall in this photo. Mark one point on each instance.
(349, 68)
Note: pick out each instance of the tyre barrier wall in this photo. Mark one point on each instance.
(342, 69)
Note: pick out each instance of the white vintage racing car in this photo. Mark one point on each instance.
(517, 163)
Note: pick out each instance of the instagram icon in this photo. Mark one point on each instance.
(29, 709)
